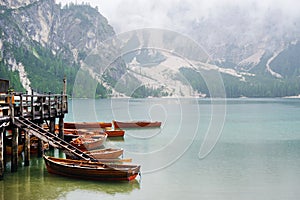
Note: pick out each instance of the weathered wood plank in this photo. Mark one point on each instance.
(35, 108)
(14, 149)
(2, 167)
(27, 149)
(61, 127)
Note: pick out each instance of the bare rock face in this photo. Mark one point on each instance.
(16, 3)
(31, 26)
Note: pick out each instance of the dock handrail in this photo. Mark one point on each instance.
(51, 138)
(33, 106)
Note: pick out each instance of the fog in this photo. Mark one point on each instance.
(126, 15)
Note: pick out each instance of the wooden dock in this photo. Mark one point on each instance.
(23, 114)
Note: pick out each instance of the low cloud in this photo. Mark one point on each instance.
(182, 15)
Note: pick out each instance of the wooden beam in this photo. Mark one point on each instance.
(27, 149)
(14, 149)
(2, 166)
(40, 147)
(52, 128)
(61, 127)
(32, 106)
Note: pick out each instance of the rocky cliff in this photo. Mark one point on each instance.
(43, 29)
(41, 42)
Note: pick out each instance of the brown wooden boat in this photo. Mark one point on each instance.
(89, 142)
(83, 125)
(114, 132)
(8, 146)
(8, 149)
(108, 153)
(34, 145)
(115, 160)
(110, 132)
(91, 170)
(79, 132)
(72, 131)
(136, 124)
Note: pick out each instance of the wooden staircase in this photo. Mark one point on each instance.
(51, 138)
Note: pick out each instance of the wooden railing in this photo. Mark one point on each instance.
(33, 106)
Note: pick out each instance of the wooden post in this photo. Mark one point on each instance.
(61, 104)
(40, 150)
(52, 127)
(61, 127)
(64, 105)
(21, 105)
(4, 143)
(2, 167)
(32, 106)
(14, 149)
(27, 149)
(42, 107)
(49, 105)
(12, 109)
(26, 103)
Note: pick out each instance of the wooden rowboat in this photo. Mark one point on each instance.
(110, 132)
(34, 145)
(9, 149)
(87, 142)
(82, 125)
(8, 146)
(114, 132)
(91, 170)
(105, 153)
(135, 124)
(70, 134)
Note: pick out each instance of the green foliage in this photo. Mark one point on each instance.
(257, 86)
(288, 62)
(102, 92)
(109, 79)
(87, 87)
(45, 70)
(195, 79)
(143, 92)
(13, 77)
(84, 85)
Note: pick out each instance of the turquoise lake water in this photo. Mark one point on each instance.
(233, 149)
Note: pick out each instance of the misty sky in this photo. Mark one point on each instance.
(126, 15)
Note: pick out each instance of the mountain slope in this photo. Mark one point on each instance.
(43, 42)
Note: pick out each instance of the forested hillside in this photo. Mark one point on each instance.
(42, 42)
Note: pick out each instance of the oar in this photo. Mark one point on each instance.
(115, 160)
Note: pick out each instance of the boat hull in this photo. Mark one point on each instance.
(136, 124)
(9, 149)
(87, 143)
(115, 133)
(110, 132)
(82, 125)
(91, 170)
(105, 153)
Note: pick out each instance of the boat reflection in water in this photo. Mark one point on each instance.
(84, 169)
(34, 182)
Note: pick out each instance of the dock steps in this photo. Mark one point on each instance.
(51, 138)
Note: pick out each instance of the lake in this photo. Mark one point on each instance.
(205, 149)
